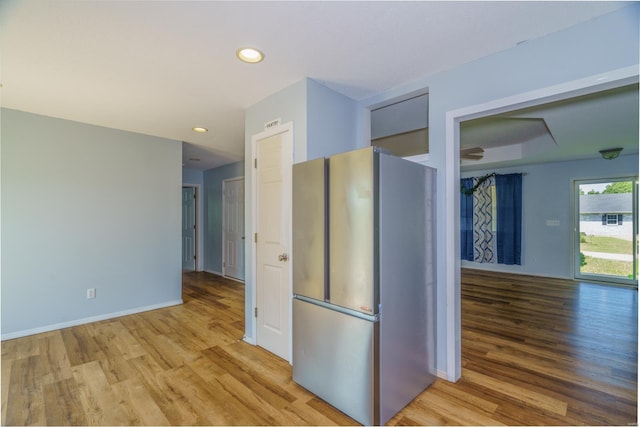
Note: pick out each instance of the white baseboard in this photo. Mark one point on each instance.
(442, 374)
(476, 267)
(249, 340)
(85, 320)
(217, 273)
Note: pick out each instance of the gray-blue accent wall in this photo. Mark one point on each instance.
(192, 176)
(212, 223)
(85, 207)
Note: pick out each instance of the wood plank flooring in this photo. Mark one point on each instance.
(535, 352)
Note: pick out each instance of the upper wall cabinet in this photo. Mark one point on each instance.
(401, 128)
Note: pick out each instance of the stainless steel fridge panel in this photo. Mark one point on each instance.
(407, 313)
(352, 237)
(334, 357)
(369, 349)
(309, 229)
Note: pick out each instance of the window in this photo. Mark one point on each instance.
(612, 219)
(606, 232)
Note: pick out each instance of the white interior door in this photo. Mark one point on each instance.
(273, 226)
(233, 228)
(188, 228)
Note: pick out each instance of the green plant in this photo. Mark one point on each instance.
(607, 244)
(619, 187)
(583, 260)
(607, 267)
(470, 191)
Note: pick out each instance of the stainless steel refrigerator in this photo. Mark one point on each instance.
(364, 281)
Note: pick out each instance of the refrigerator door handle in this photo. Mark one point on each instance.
(344, 310)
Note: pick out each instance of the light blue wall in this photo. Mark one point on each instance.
(324, 123)
(85, 207)
(290, 105)
(192, 176)
(213, 213)
(331, 122)
(607, 43)
(548, 195)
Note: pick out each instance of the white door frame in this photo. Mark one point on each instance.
(236, 178)
(285, 128)
(199, 265)
(591, 84)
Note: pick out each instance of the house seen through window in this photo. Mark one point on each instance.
(606, 238)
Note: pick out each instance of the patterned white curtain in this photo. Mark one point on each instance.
(484, 241)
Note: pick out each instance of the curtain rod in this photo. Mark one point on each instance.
(495, 173)
(482, 179)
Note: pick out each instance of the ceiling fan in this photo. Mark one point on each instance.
(475, 153)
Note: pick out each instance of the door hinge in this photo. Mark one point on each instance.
(255, 312)
(194, 257)
(255, 163)
(255, 237)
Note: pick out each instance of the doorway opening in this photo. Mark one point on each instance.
(606, 231)
(451, 233)
(233, 237)
(189, 229)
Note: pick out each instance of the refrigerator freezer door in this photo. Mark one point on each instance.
(352, 238)
(335, 357)
(309, 229)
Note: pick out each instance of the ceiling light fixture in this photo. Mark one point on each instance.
(199, 129)
(610, 153)
(249, 55)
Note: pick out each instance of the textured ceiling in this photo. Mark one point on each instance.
(576, 128)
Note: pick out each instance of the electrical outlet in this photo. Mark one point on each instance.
(91, 293)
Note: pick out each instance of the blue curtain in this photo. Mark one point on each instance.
(509, 217)
(466, 223)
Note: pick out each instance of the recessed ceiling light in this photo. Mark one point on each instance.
(250, 55)
(199, 129)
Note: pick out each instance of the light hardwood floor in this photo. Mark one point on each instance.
(535, 352)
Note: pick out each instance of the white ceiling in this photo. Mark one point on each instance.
(576, 128)
(162, 67)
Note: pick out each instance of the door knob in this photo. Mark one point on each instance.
(283, 257)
